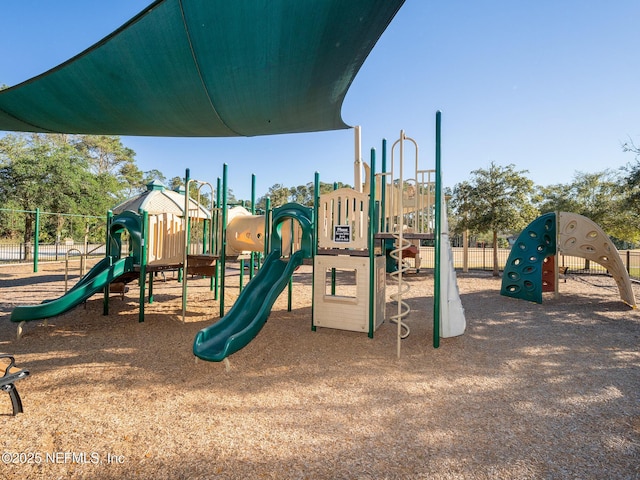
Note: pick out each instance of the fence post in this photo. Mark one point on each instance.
(484, 256)
(628, 261)
(465, 251)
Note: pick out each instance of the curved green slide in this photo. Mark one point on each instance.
(250, 312)
(103, 273)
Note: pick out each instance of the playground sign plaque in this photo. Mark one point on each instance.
(342, 233)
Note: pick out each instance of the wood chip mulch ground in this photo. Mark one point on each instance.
(531, 391)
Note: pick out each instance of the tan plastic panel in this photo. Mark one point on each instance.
(579, 236)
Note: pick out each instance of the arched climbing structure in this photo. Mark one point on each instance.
(523, 272)
(574, 235)
(579, 236)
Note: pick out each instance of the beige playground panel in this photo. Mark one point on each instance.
(165, 239)
(348, 308)
(579, 236)
(245, 232)
(343, 207)
(343, 228)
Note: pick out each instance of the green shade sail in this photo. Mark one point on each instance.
(210, 68)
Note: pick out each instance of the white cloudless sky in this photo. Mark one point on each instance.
(551, 86)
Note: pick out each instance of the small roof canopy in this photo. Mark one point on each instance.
(213, 68)
(158, 200)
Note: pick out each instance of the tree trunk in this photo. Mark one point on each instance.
(28, 235)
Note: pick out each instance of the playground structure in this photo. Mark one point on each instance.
(532, 267)
(157, 231)
(264, 102)
(348, 245)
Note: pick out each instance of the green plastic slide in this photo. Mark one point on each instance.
(248, 315)
(103, 273)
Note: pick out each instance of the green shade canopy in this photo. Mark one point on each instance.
(210, 68)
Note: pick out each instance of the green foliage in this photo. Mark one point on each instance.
(631, 203)
(87, 174)
(601, 197)
(497, 199)
(279, 195)
(58, 173)
(302, 194)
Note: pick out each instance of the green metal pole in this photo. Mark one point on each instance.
(108, 252)
(316, 210)
(383, 193)
(36, 242)
(333, 270)
(150, 288)
(371, 245)
(267, 228)
(437, 239)
(143, 261)
(252, 260)
(223, 239)
(290, 286)
(185, 251)
(217, 241)
(208, 244)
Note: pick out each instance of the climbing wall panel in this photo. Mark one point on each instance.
(522, 276)
(579, 236)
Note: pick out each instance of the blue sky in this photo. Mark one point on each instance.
(550, 86)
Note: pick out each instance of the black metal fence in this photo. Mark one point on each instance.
(482, 259)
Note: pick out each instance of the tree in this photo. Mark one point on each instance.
(132, 178)
(57, 173)
(105, 153)
(152, 175)
(278, 193)
(497, 199)
(599, 196)
(109, 159)
(302, 194)
(631, 183)
(41, 171)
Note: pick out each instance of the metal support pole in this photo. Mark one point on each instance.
(223, 239)
(252, 260)
(316, 210)
(150, 288)
(143, 261)
(108, 252)
(267, 227)
(383, 186)
(185, 250)
(371, 245)
(438, 231)
(217, 229)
